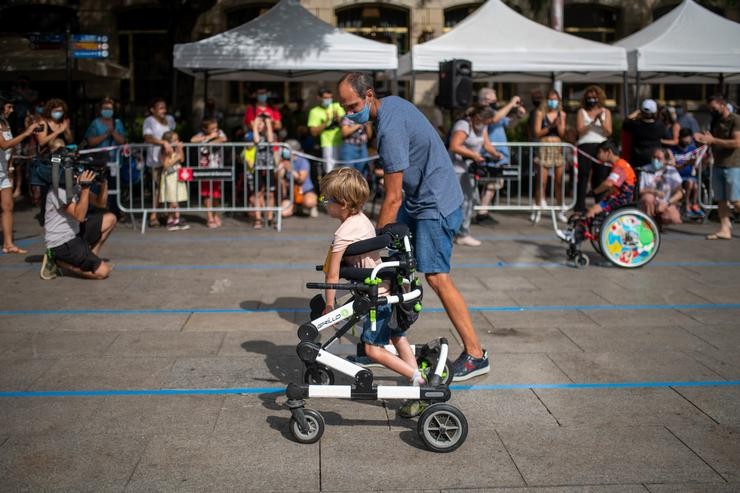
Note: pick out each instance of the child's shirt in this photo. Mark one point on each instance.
(356, 228)
(684, 155)
(623, 178)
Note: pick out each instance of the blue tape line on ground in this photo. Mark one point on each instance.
(544, 308)
(275, 390)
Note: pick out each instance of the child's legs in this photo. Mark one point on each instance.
(403, 348)
(175, 213)
(375, 340)
(208, 203)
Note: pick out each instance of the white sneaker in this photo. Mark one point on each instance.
(314, 212)
(562, 217)
(535, 217)
(468, 241)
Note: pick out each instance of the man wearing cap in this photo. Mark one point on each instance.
(646, 131)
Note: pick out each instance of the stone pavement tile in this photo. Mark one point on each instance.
(224, 322)
(712, 316)
(124, 322)
(716, 294)
(18, 373)
(598, 455)
(276, 342)
(166, 344)
(234, 372)
(669, 294)
(719, 336)
(620, 338)
(515, 368)
(56, 344)
(721, 403)
(105, 373)
(620, 407)
(69, 461)
(718, 446)
(632, 366)
(488, 410)
(607, 488)
(155, 414)
(558, 297)
(46, 415)
(526, 340)
(35, 322)
(393, 459)
(484, 297)
(694, 488)
(724, 361)
(537, 319)
(725, 277)
(498, 281)
(252, 456)
(645, 317)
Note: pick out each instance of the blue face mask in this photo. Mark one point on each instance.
(57, 115)
(261, 98)
(106, 113)
(361, 117)
(326, 102)
(657, 164)
(552, 104)
(285, 153)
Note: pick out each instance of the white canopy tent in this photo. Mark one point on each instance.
(690, 44)
(286, 43)
(504, 45)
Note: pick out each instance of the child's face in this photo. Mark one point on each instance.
(210, 128)
(175, 139)
(334, 208)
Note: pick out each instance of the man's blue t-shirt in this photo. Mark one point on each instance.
(97, 128)
(301, 164)
(407, 142)
(497, 133)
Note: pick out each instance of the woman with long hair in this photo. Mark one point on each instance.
(549, 127)
(594, 126)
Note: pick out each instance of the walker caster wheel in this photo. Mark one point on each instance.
(581, 261)
(315, 427)
(318, 375)
(442, 427)
(426, 368)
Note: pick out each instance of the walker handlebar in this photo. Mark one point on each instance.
(345, 286)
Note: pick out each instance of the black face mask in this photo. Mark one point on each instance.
(536, 102)
(591, 102)
(715, 114)
(494, 106)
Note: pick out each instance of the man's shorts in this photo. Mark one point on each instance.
(432, 240)
(726, 184)
(77, 252)
(383, 331)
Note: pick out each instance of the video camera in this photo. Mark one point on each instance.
(486, 169)
(69, 158)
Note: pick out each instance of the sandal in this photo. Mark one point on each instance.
(212, 224)
(715, 236)
(14, 249)
(258, 224)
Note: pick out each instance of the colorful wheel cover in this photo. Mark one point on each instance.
(630, 240)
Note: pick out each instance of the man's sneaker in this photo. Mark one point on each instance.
(466, 367)
(49, 269)
(363, 361)
(411, 409)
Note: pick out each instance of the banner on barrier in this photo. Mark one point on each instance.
(199, 174)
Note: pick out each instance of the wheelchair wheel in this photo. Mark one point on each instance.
(442, 427)
(318, 375)
(581, 261)
(315, 427)
(426, 369)
(629, 238)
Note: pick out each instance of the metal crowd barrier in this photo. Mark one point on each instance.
(517, 183)
(242, 173)
(703, 166)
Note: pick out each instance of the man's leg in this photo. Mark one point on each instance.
(108, 224)
(102, 272)
(457, 311)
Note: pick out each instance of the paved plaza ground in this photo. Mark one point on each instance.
(602, 380)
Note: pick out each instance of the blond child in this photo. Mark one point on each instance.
(345, 191)
(171, 190)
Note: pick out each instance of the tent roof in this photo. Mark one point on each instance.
(498, 39)
(286, 42)
(689, 39)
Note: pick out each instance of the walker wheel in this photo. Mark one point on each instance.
(442, 427)
(427, 369)
(315, 427)
(581, 261)
(318, 375)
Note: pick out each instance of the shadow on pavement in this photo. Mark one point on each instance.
(288, 308)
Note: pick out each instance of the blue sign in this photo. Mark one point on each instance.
(90, 38)
(90, 53)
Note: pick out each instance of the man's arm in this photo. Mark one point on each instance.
(393, 184)
(101, 199)
(707, 138)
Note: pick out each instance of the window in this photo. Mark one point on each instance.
(242, 15)
(384, 23)
(592, 22)
(455, 15)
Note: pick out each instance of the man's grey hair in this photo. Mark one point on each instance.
(360, 82)
(485, 93)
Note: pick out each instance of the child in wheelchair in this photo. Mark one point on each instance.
(345, 191)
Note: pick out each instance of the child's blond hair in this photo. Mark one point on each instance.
(347, 187)
(170, 136)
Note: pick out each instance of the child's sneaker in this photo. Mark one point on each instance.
(363, 361)
(49, 269)
(465, 367)
(182, 224)
(171, 224)
(411, 409)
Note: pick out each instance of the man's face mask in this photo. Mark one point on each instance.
(657, 163)
(361, 117)
(326, 102)
(106, 112)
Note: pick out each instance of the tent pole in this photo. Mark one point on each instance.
(625, 95)
(394, 83)
(721, 83)
(637, 89)
(205, 87)
(413, 86)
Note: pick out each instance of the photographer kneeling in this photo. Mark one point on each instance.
(73, 239)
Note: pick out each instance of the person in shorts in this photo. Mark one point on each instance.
(724, 137)
(74, 239)
(345, 192)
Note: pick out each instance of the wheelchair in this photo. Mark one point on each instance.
(626, 237)
(441, 426)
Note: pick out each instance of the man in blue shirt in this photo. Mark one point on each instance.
(421, 191)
